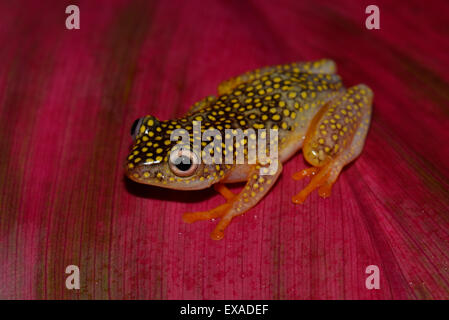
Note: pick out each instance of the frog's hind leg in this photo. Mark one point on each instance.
(319, 66)
(334, 139)
(255, 189)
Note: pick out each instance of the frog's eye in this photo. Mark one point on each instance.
(135, 127)
(183, 162)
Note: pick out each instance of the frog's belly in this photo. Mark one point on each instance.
(238, 174)
(291, 146)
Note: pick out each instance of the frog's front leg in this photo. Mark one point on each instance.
(256, 187)
(334, 139)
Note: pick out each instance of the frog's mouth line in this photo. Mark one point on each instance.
(155, 177)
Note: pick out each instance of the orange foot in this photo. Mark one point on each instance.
(218, 212)
(323, 179)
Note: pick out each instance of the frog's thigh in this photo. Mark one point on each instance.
(255, 189)
(318, 66)
(335, 138)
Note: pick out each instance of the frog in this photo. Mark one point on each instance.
(304, 103)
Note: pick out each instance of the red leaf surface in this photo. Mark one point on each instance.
(69, 97)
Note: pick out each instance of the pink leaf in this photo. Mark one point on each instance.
(69, 97)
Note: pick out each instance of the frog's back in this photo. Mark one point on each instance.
(282, 99)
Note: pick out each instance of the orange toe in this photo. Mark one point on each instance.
(207, 215)
(217, 235)
(325, 190)
(318, 182)
(309, 172)
(218, 232)
(299, 198)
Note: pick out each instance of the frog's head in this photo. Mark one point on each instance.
(158, 161)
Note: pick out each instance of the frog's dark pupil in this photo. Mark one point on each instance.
(133, 127)
(183, 163)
